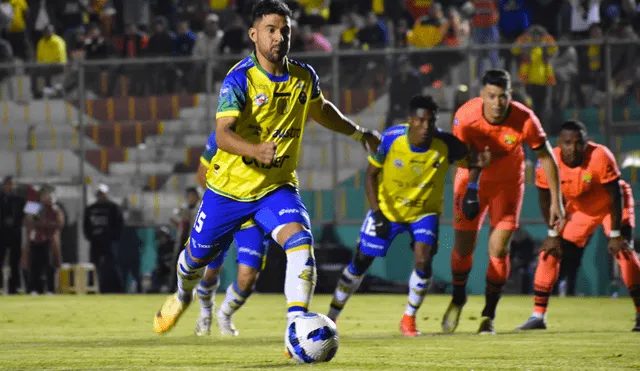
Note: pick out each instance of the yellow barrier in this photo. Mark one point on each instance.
(47, 112)
(132, 108)
(347, 101)
(54, 142)
(5, 113)
(39, 162)
(18, 163)
(160, 127)
(324, 156)
(152, 182)
(11, 138)
(138, 133)
(103, 160)
(69, 114)
(187, 156)
(175, 106)
(110, 109)
(117, 132)
(156, 205)
(60, 162)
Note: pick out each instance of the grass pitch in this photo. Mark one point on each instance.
(115, 332)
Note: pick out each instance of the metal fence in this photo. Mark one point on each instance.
(140, 125)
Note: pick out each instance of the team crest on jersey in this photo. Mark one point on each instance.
(302, 98)
(455, 121)
(261, 99)
(587, 178)
(416, 169)
(398, 163)
(510, 138)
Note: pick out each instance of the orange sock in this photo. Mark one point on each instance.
(497, 274)
(546, 276)
(460, 268)
(630, 269)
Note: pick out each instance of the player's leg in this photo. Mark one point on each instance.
(369, 247)
(283, 215)
(251, 247)
(206, 291)
(575, 235)
(504, 212)
(425, 236)
(464, 244)
(216, 220)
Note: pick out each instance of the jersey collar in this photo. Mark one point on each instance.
(416, 149)
(271, 77)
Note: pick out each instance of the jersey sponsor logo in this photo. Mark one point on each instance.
(261, 99)
(282, 106)
(407, 202)
(416, 184)
(302, 98)
(287, 133)
(371, 245)
(277, 163)
(416, 169)
(587, 178)
(428, 232)
(249, 251)
(510, 139)
(288, 211)
(396, 131)
(398, 163)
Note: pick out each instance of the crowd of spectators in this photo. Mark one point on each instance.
(62, 31)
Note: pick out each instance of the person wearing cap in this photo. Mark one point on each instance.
(102, 227)
(11, 219)
(207, 49)
(41, 255)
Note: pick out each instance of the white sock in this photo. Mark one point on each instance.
(300, 280)
(418, 286)
(347, 285)
(234, 299)
(538, 315)
(206, 295)
(188, 277)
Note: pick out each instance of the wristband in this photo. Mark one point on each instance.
(358, 134)
(552, 233)
(473, 186)
(614, 234)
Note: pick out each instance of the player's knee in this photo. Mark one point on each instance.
(188, 261)
(301, 240)
(247, 277)
(360, 263)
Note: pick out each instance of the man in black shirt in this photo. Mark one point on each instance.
(102, 227)
(11, 218)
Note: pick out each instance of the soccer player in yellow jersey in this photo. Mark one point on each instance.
(264, 103)
(412, 162)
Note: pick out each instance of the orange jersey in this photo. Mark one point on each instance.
(504, 140)
(582, 187)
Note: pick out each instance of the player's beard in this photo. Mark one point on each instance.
(277, 54)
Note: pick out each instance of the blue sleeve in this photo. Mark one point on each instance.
(316, 92)
(388, 137)
(210, 150)
(233, 94)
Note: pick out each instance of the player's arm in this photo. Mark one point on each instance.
(617, 204)
(550, 168)
(609, 175)
(201, 175)
(371, 186)
(230, 142)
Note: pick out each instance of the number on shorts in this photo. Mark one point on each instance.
(200, 221)
(369, 228)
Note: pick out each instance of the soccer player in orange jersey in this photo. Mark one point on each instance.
(594, 195)
(493, 120)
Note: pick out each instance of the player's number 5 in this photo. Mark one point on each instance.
(200, 221)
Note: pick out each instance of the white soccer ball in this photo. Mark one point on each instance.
(311, 338)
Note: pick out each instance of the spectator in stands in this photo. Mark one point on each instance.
(136, 12)
(43, 14)
(348, 38)
(71, 14)
(565, 66)
(485, 31)
(401, 32)
(535, 70)
(208, 48)
(134, 45)
(162, 43)
(16, 34)
(235, 39)
(549, 14)
(583, 14)
(405, 84)
(6, 56)
(95, 45)
(11, 218)
(315, 41)
(42, 254)
(624, 65)
(102, 227)
(513, 21)
(51, 53)
(195, 12)
(374, 34)
(594, 58)
(419, 8)
(185, 42)
(168, 10)
(297, 40)
(102, 12)
(163, 271)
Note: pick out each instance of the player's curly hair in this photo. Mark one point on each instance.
(576, 126)
(266, 7)
(497, 77)
(423, 101)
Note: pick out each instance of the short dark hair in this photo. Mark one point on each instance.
(575, 126)
(424, 102)
(266, 7)
(497, 77)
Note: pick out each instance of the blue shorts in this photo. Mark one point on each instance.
(251, 245)
(424, 230)
(219, 217)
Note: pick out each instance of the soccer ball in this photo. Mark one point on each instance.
(311, 338)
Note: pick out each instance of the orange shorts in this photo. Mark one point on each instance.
(579, 226)
(502, 200)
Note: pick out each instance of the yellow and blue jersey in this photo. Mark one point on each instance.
(412, 180)
(268, 109)
(210, 149)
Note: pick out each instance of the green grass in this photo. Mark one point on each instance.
(115, 332)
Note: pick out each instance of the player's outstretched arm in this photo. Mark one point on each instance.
(326, 114)
(230, 142)
(550, 167)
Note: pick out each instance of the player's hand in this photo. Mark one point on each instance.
(552, 246)
(557, 215)
(265, 153)
(381, 224)
(470, 202)
(24, 263)
(371, 140)
(619, 245)
(480, 159)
